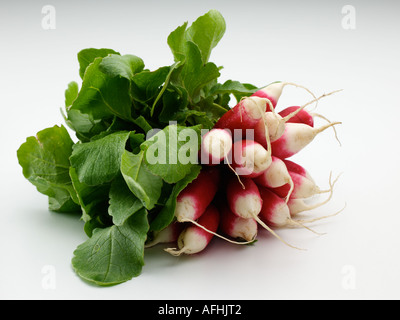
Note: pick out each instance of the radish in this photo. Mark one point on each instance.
(303, 116)
(168, 234)
(244, 202)
(237, 227)
(303, 187)
(275, 211)
(244, 115)
(195, 239)
(275, 176)
(299, 205)
(247, 202)
(273, 92)
(215, 146)
(249, 158)
(274, 123)
(197, 196)
(295, 138)
(296, 168)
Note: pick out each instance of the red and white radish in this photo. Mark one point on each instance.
(296, 168)
(249, 158)
(274, 123)
(237, 227)
(198, 195)
(195, 239)
(244, 202)
(275, 211)
(276, 175)
(299, 205)
(296, 114)
(247, 202)
(215, 146)
(303, 116)
(273, 92)
(295, 138)
(167, 235)
(244, 115)
(303, 187)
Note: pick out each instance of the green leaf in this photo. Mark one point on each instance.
(206, 32)
(45, 163)
(87, 56)
(115, 254)
(172, 152)
(71, 93)
(194, 75)
(176, 41)
(84, 125)
(167, 213)
(102, 95)
(123, 203)
(125, 66)
(212, 110)
(146, 84)
(175, 102)
(176, 65)
(236, 88)
(98, 162)
(193, 47)
(141, 182)
(92, 199)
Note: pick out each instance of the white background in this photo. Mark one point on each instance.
(265, 41)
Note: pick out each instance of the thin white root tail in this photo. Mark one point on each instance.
(234, 171)
(323, 128)
(317, 115)
(296, 223)
(291, 115)
(267, 137)
(291, 183)
(216, 234)
(320, 204)
(324, 217)
(174, 251)
(331, 185)
(301, 87)
(274, 233)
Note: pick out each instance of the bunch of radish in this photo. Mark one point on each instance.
(247, 181)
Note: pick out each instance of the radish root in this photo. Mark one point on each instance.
(174, 251)
(317, 115)
(234, 171)
(292, 114)
(311, 207)
(274, 233)
(291, 183)
(299, 86)
(324, 217)
(216, 234)
(296, 223)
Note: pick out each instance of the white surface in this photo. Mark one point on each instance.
(265, 41)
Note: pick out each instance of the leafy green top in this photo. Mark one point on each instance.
(107, 174)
